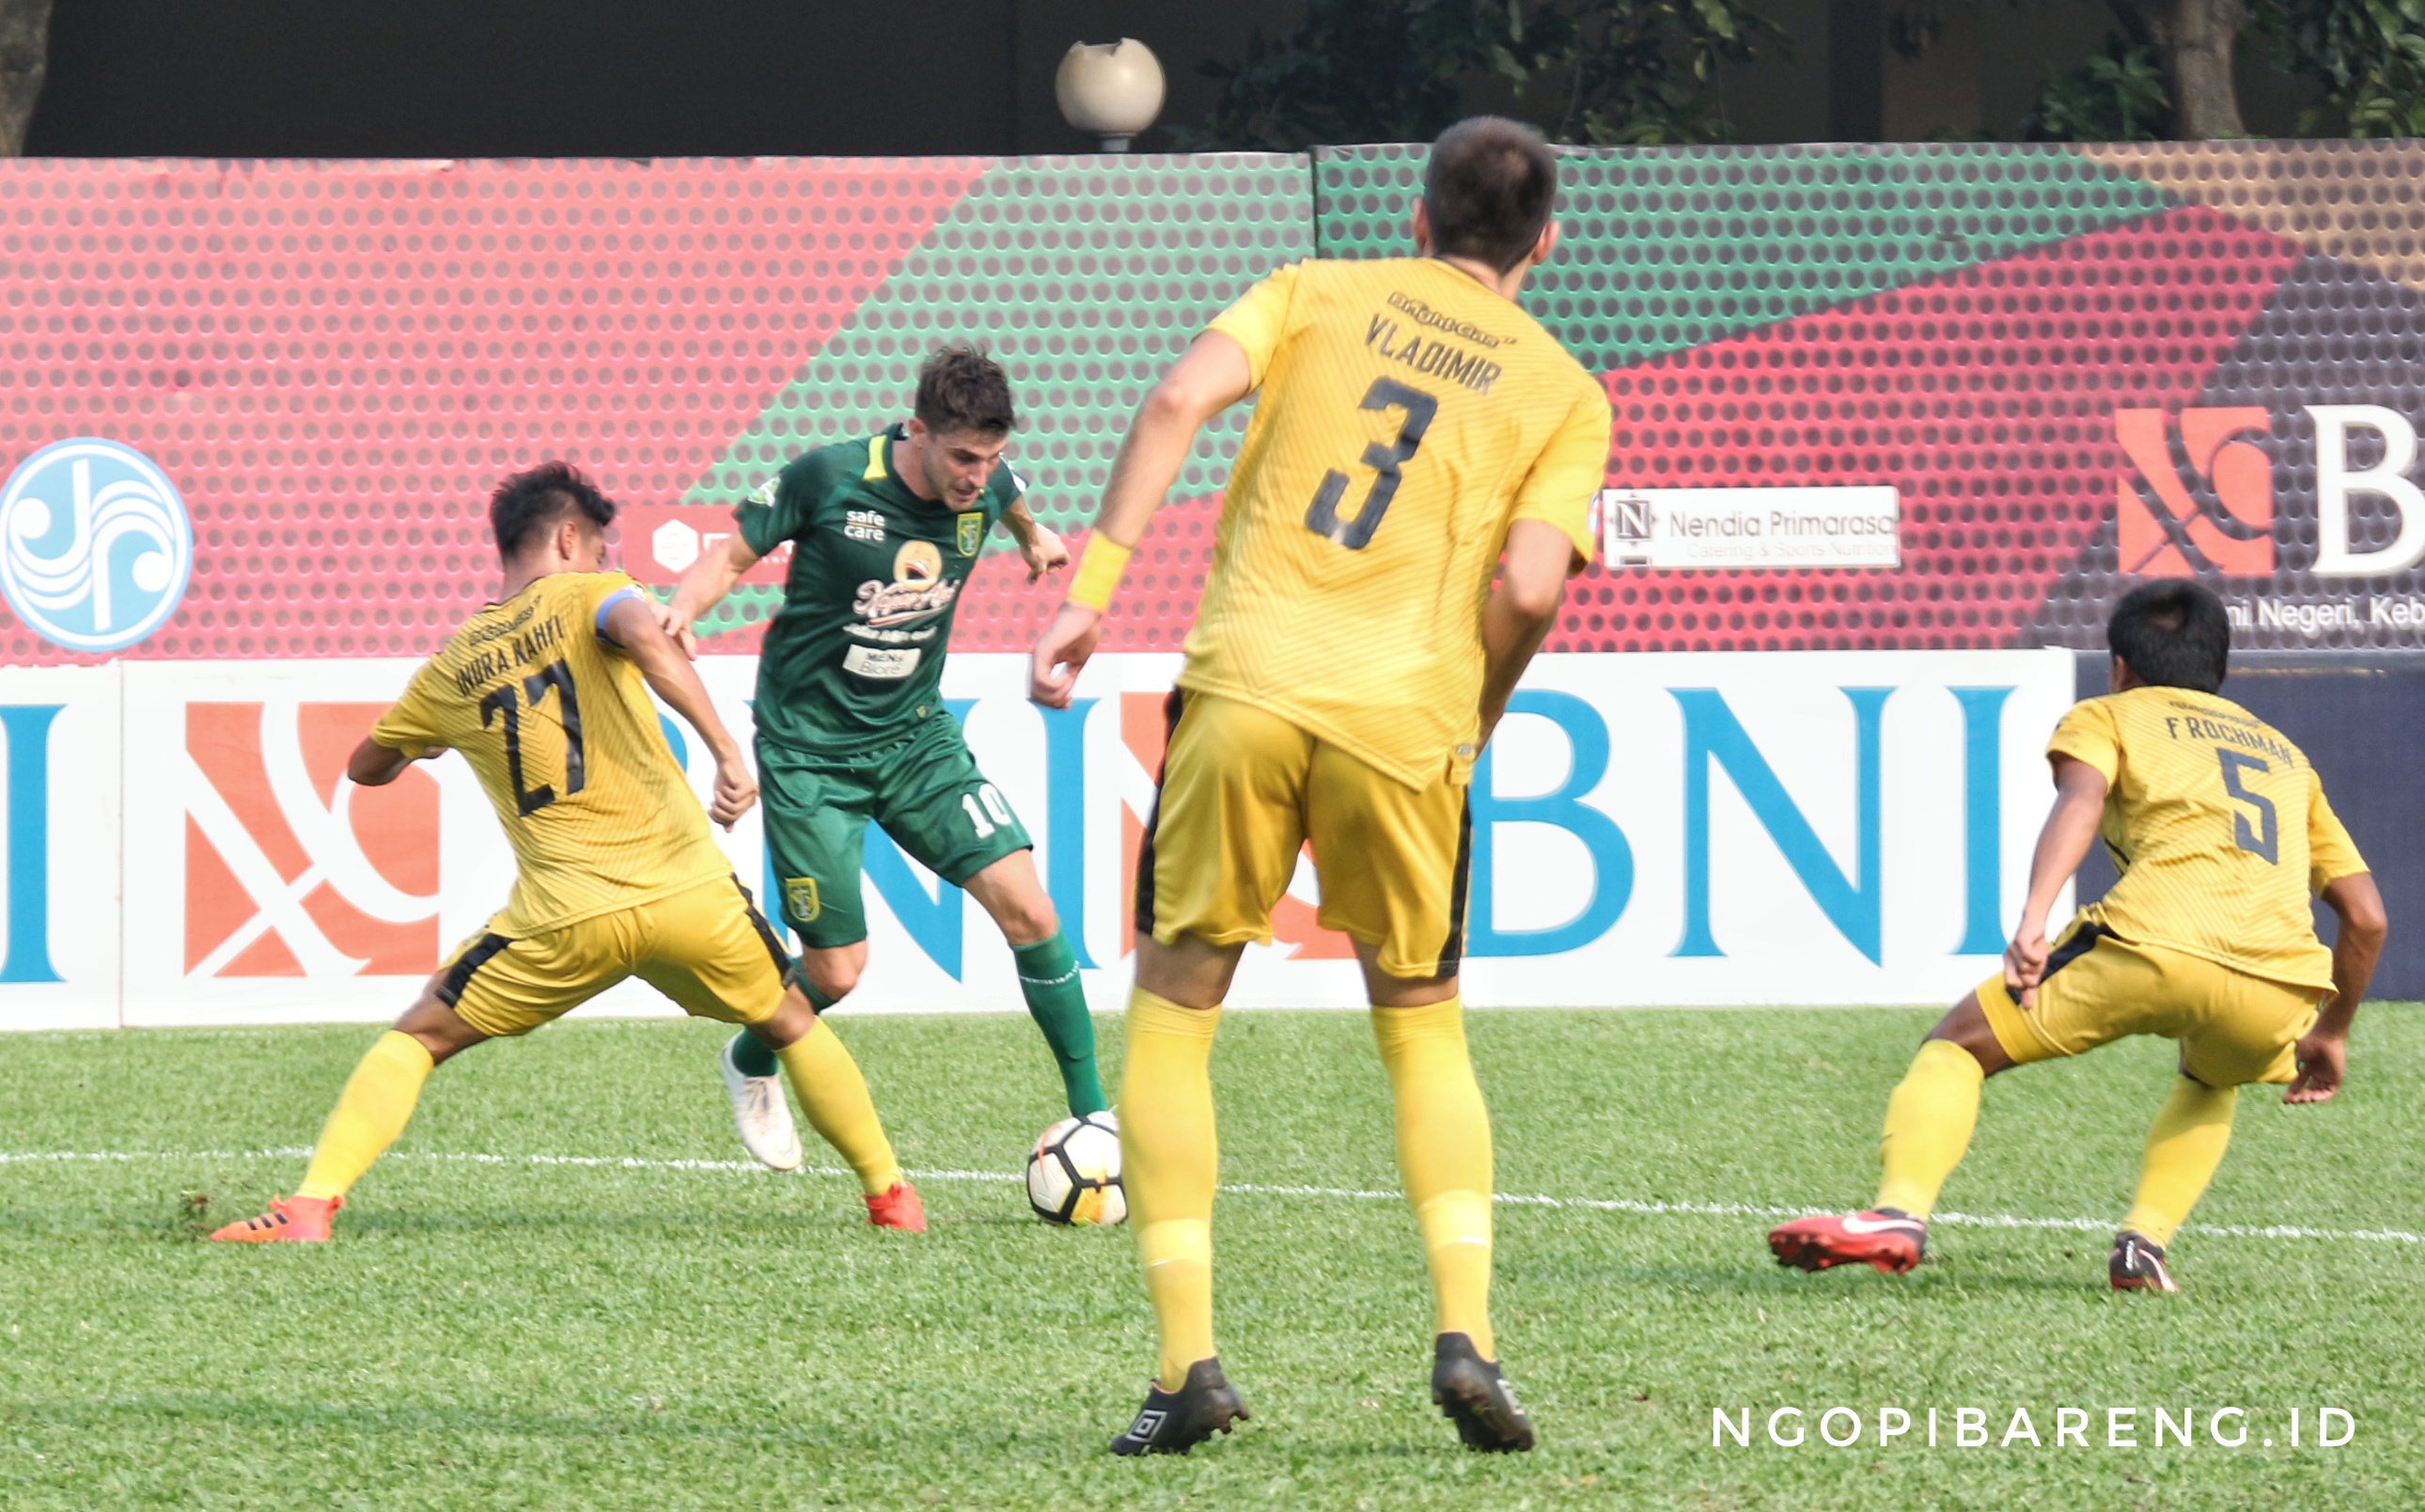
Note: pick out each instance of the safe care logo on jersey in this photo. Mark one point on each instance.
(2207, 507)
(95, 545)
(291, 870)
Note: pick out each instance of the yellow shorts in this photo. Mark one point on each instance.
(1243, 791)
(2232, 1027)
(708, 949)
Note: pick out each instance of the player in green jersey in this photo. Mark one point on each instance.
(851, 722)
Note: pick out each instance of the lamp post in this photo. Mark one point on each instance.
(1111, 90)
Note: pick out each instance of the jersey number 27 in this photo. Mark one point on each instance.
(501, 703)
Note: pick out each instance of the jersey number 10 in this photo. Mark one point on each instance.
(501, 703)
(1385, 461)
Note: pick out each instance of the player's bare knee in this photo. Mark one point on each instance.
(1966, 1025)
(831, 979)
(1029, 921)
(434, 1024)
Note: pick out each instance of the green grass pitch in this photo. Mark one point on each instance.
(679, 1333)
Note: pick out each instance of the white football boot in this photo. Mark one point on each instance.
(762, 1114)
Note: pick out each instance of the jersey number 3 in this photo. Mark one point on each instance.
(1385, 461)
(501, 703)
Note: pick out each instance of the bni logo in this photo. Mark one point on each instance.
(291, 870)
(95, 545)
(2163, 525)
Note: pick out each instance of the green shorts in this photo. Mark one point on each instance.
(928, 794)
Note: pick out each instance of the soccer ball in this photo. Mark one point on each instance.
(1073, 1174)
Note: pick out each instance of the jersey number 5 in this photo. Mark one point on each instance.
(2261, 840)
(1385, 461)
(502, 704)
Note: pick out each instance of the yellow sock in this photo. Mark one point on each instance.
(1929, 1122)
(373, 1109)
(1171, 1161)
(834, 1095)
(2184, 1147)
(1443, 1157)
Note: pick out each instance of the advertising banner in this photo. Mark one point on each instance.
(1814, 828)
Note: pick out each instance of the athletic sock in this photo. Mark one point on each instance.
(373, 1109)
(1170, 1159)
(2184, 1147)
(1048, 979)
(754, 1057)
(834, 1095)
(1443, 1156)
(1929, 1122)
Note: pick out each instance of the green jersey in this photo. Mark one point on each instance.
(853, 660)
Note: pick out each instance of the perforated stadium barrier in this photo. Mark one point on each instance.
(1944, 398)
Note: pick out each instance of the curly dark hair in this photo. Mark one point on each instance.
(534, 498)
(961, 389)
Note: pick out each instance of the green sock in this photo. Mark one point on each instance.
(1048, 979)
(752, 1056)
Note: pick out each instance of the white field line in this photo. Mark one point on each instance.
(1588, 1204)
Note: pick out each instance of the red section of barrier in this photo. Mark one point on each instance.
(335, 362)
(661, 541)
(1987, 397)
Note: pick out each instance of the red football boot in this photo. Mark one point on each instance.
(897, 1207)
(2136, 1265)
(1886, 1237)
(289, 1221)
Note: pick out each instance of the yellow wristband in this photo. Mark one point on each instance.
(1099, 572)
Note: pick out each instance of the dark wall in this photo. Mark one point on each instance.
(598, 79)
(2360, 720)
(655, 78)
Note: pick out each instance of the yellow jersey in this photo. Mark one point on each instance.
(1406, 417)
(2219, 828)
(558, 726)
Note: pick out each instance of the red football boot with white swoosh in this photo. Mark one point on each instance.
(1886, 1237)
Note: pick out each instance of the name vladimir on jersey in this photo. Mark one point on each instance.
(1434, 357)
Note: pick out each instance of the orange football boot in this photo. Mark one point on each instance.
(897, 1207)
(289, 1221)
(1886, 1237)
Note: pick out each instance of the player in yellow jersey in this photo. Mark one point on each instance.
(545, 693)
(1417, 434)
(2220, 830)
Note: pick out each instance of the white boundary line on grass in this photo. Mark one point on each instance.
(1589, 1204)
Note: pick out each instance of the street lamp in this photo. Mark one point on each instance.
(1111, 90)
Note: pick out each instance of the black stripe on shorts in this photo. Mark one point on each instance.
(766, 935)
(1170, 707)
(1452, 953)
(2082, 941)
(450, 988)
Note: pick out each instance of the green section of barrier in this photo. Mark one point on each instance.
(1673, 248)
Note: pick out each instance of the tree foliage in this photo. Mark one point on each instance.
(2117, 95)
(1586, 71)
(2369, 54)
